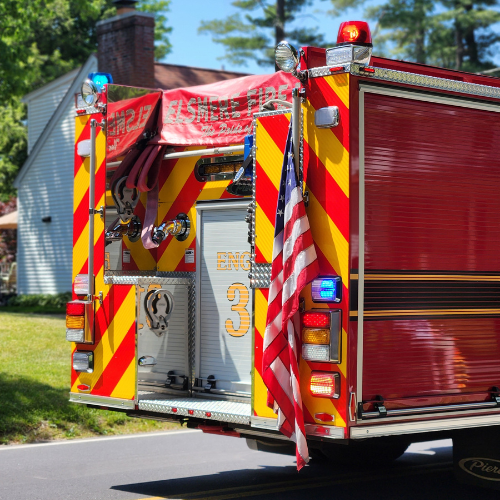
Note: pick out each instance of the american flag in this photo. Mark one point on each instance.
(294, 265)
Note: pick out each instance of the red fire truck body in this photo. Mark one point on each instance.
(401, 180)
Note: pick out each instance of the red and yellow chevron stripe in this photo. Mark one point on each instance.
(326, 172)
(114, 348)
(179, 193)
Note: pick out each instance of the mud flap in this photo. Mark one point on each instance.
(476, 457)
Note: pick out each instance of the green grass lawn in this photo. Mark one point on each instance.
(34, 386)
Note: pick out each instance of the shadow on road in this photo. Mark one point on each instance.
(422, 473)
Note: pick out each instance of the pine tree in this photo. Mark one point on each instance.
(406, 24)
(469, 25)
(451, 33)
(254, 31)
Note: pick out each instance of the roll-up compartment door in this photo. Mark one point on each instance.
(224, 336)
(431, 308)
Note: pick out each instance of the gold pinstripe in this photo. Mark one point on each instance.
(427, 312)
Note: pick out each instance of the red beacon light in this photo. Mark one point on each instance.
(354, 45)
(354, 32)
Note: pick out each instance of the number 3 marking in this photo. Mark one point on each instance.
(240, 308)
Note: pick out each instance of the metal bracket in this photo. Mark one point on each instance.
(211, 383)
(495, 395)
(170, 382)
(306, 198)
(125, 199)
(158, 305)
(382, 410)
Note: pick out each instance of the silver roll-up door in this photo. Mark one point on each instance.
(224, 297)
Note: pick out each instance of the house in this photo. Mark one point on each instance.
(45, 181)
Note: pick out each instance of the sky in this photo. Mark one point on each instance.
(193, 49)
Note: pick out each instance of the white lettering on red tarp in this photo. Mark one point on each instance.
(218, 113)
(126, 121)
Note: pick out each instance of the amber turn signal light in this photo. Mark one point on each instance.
(316, 336)
(75, 322)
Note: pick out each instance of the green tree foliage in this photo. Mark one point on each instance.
(13, 144)
(258, 26)
(41, 40)
(8, 237)
(451, 33)
(163, 47)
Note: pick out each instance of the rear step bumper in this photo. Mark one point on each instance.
(220, 411)
(231, 412)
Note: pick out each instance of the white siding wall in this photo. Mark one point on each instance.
(42, 103)
(45, 248)
(44, 252)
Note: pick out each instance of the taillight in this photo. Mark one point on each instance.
(75, 308)
(354, 32)
(321, 334)
(80, 322)
(316, 319)
(325, 385)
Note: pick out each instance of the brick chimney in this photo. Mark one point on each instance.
(126, 45)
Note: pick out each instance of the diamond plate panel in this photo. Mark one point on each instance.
(260, 275)
(222, 411)
(433, 82)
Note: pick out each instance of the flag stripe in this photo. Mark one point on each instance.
(294, 264)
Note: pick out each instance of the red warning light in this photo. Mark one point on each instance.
(354, 32)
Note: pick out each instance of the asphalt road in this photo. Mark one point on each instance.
(194, 466)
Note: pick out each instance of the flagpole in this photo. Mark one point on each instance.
(296, 121)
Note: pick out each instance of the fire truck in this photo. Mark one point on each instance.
(175, 196)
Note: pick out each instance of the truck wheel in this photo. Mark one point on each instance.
(368, 453)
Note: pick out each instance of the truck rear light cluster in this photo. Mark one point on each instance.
(80, 322)
(321, 334)
(325, 385)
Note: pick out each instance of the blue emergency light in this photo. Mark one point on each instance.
(327, 289)
(100, 79)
